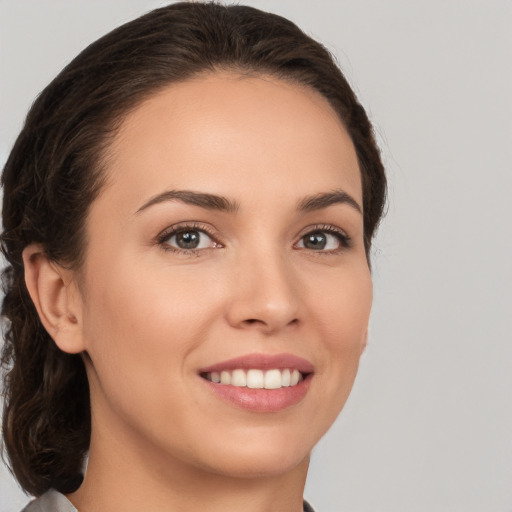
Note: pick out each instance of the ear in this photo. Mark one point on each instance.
(55, 294)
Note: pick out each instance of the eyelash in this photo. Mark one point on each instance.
(168, 233)
(162, 239)
(343, 238)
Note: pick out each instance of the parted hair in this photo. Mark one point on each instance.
(56, 170)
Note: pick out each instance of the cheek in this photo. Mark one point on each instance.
(342, 306)
(145, 322)
(139, 332)
(342, 314)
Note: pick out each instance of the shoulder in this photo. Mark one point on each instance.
(51, 501)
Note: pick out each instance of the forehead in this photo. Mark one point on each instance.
(225, 133)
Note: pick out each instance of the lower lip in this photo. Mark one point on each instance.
(261, 400)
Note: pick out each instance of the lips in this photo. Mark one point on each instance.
(260, 382)
(262, 362)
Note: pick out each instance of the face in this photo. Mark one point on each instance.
(227, 244)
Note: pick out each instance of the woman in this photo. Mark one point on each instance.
(188, 214)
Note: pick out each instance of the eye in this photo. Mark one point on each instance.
(187, 239)
(326, 240)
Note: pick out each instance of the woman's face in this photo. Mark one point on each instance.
(229, 238)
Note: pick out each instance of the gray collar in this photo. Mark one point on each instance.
(54, 501)
(51, 501)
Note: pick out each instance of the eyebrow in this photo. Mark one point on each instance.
(201, 199)
(323, 200)
(220, 203)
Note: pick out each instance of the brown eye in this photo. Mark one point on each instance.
(188, 239)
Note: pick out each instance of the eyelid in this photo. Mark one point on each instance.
(344, 237)
(174, 229)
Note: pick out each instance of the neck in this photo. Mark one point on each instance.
(125, 479)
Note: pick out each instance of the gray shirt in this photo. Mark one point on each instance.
(53, 501)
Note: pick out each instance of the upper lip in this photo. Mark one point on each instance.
(261, 362)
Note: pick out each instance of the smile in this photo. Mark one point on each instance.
(253, 378)
(260, 382)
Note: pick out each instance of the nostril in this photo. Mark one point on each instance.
(256, 321)
(253, 321)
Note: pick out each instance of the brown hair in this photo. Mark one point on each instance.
(54, 173)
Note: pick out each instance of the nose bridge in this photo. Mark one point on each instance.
(265, 295)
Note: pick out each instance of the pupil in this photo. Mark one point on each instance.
(187, 239)
(315, 241)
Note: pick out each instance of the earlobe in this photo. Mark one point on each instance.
(55, 296)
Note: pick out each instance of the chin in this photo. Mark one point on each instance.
(262, 467)
(260, 457)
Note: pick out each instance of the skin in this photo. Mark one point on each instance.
(149, 318)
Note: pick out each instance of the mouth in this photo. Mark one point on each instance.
(255, 378)
(260, 382)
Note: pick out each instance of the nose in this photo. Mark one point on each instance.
(265, 295)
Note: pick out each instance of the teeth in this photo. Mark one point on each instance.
(273, 379)
(238, 379)
(285, 378)
(257, 379)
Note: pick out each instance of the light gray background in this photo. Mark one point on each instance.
(429, 424)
